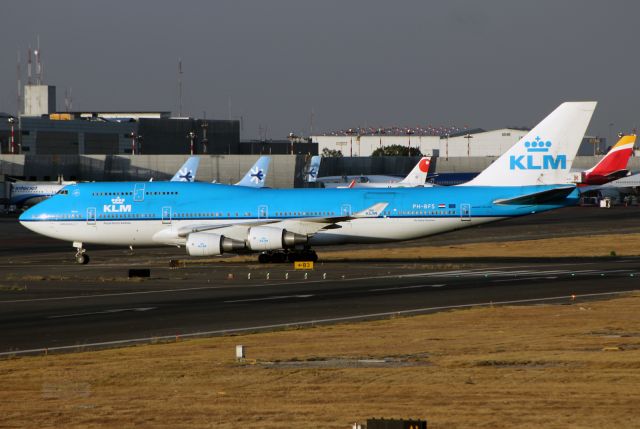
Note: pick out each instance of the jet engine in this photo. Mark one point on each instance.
(203, 244)
(268, 238)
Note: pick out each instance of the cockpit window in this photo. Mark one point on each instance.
(63, 192)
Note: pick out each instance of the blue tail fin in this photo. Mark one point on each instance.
(257, 175)
(314, 167)
(187, 172)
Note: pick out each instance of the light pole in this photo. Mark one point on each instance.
(192, 135)
(350, 134)
(292, 137)
(204, 125)
(468, 137)
(139, 144)
(409, 132)
(446, 150)
(12, 121)
(133, 136)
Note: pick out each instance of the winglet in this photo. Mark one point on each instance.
(373, 211)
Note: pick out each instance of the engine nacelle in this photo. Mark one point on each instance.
(268, 238)
(203, 244)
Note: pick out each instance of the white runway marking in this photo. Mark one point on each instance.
(269, 298)
(115, 310)
(405, 287)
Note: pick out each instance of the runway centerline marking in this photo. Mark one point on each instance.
(269, 298)
(405, 287)
(112, 311)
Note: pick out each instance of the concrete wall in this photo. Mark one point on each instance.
(285, 171)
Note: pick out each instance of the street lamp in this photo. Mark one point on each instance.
(134, 139)
(409, 132)
(468, 137)
(12, 148)
(191, 135)
(292, 137)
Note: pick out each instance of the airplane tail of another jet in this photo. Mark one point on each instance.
(314, 167)
(614, 163)
(257, 174)
(418, 175)
(187, 172)
(544, 156)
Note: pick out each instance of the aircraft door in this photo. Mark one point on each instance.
(345, 210)
(263, 212)
(91, 216)
(138, 192)
(166, 215)
(465, 212)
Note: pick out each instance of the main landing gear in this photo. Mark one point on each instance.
(81, 257)
(281, 256)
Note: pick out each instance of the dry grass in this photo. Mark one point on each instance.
(583, 246)
(540, 366)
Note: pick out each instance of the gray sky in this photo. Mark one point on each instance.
(484, 63)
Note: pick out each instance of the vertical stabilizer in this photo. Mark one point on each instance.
(187, 172)
(418, 175)
(545, 155)
(257, 174)
(314, 167)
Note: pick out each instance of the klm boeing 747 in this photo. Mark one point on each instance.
(280, 224)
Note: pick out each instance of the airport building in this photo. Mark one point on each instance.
(41, 130)
(463, 144)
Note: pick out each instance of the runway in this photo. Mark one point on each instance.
(49, 303)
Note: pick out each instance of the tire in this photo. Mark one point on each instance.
(82, 259)
(264, 258)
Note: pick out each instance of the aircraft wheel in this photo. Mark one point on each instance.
(264, 258)
(82, 259)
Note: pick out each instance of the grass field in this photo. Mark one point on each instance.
(551, 366)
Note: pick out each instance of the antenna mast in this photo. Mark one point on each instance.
(179, 87)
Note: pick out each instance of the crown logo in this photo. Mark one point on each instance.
(538, 145)
(118, 200)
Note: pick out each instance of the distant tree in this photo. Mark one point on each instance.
(397, 150)
(331, 153)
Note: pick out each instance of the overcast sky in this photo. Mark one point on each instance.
(484, 64)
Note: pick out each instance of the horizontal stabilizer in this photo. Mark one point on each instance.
(543, 197)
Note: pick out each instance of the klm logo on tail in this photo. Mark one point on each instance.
(533, 161)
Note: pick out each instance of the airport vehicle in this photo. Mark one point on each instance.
(417, 177)
(281, 224)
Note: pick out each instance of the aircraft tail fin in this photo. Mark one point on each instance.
(257, 174)
(616, 159)
(314, 167)
(544, 156)
(418, 175)
(187, 172)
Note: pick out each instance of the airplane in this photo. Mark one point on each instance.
(416, 177)
(284, 224)
(612, 166)
(24, 193)
(29, 193)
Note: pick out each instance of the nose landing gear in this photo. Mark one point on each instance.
(81, 257)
